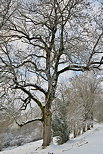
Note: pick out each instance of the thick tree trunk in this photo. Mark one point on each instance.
(75, 135)
(88, 126)
(47, 128)
(84, 128)
(92, 119)
(92, 125)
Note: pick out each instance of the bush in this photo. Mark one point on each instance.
(60, 129)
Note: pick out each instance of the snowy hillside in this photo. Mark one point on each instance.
(90, 142)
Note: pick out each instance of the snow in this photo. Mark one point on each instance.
(90, 142)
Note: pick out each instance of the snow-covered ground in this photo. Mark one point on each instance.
(90, 142)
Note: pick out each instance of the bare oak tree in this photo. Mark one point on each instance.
(43, 40)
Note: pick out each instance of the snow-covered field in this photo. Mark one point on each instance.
(90, 142)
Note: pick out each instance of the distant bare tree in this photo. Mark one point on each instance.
(83, 94)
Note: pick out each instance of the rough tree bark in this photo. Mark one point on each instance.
(47, 129)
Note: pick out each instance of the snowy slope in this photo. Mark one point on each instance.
(90, 142)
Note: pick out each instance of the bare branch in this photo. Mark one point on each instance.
(35, 86)
(30, 96)
(93, 50)
(73, 68)
(25, 123)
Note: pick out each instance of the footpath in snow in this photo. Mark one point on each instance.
(90, 142)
